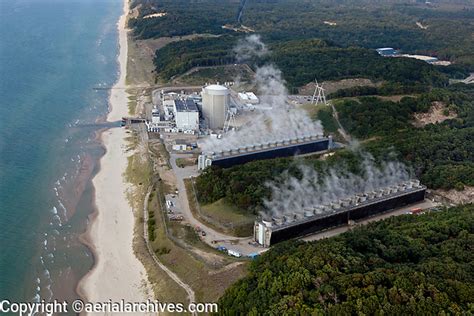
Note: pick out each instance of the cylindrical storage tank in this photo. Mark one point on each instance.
(215, 100)
(267, 222)
(226, 152)
(234, 151)
(409, 184)
(362, 198)
(265, 145)
(258, 146)
(294, 140)
(272, 143)
(279, 143)
(242, 150)
(286, 141)
(308, 212)
(416, 183)
(379, 193)
(288, 218)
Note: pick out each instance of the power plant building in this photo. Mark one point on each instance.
(186, 114)
(274, 149)
(215, 101)
(155, 116)
(321, 217)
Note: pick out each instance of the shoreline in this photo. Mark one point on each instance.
(116, 273)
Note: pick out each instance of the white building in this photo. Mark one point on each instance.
(215, 101)
(248, 98)
(186, 115)
(155, 116)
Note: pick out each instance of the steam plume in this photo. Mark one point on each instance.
(280, 122)
(290, 195)
(250, 47)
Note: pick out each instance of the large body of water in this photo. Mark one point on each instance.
(52, 54)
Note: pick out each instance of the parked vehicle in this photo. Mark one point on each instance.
(234, 253)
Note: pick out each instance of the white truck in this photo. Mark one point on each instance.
(234, 253)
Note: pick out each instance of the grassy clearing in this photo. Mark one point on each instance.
(159, 150)
(220, 215)
(185, 162)
(324, 114)
(139, 65)
(132, 103)
(229, 215)
(185, 263)
(139, 173)
(217, 74)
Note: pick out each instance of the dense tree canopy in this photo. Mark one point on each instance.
(362, 23)
(304, 60)
(405, 265)
(441, 155)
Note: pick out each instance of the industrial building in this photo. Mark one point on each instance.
(248, 98)
(215, 101)
(186, 115)
(270, 231)
(155, 116)
(274, 149)
(387, 52)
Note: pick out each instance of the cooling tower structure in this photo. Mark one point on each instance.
(215, 101)
(269, 231)
(273, 149)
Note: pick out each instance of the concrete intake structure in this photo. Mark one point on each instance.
(269, 231)
(284, 148)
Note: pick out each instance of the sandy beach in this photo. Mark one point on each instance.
(117, 273)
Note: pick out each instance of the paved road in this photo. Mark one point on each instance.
(230, 242)
(171, 274)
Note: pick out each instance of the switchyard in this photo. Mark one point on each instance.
(269, 150)
(269, 231)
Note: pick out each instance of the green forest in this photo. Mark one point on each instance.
(303, 61)
(294, 30)
(440, 155)
(404, 265)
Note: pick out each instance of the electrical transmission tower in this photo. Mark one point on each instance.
(229, 120)
(319, 96)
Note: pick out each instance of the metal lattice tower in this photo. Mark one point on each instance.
(229, 120)
(319, 96)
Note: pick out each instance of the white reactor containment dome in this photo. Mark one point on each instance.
(215, 100)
